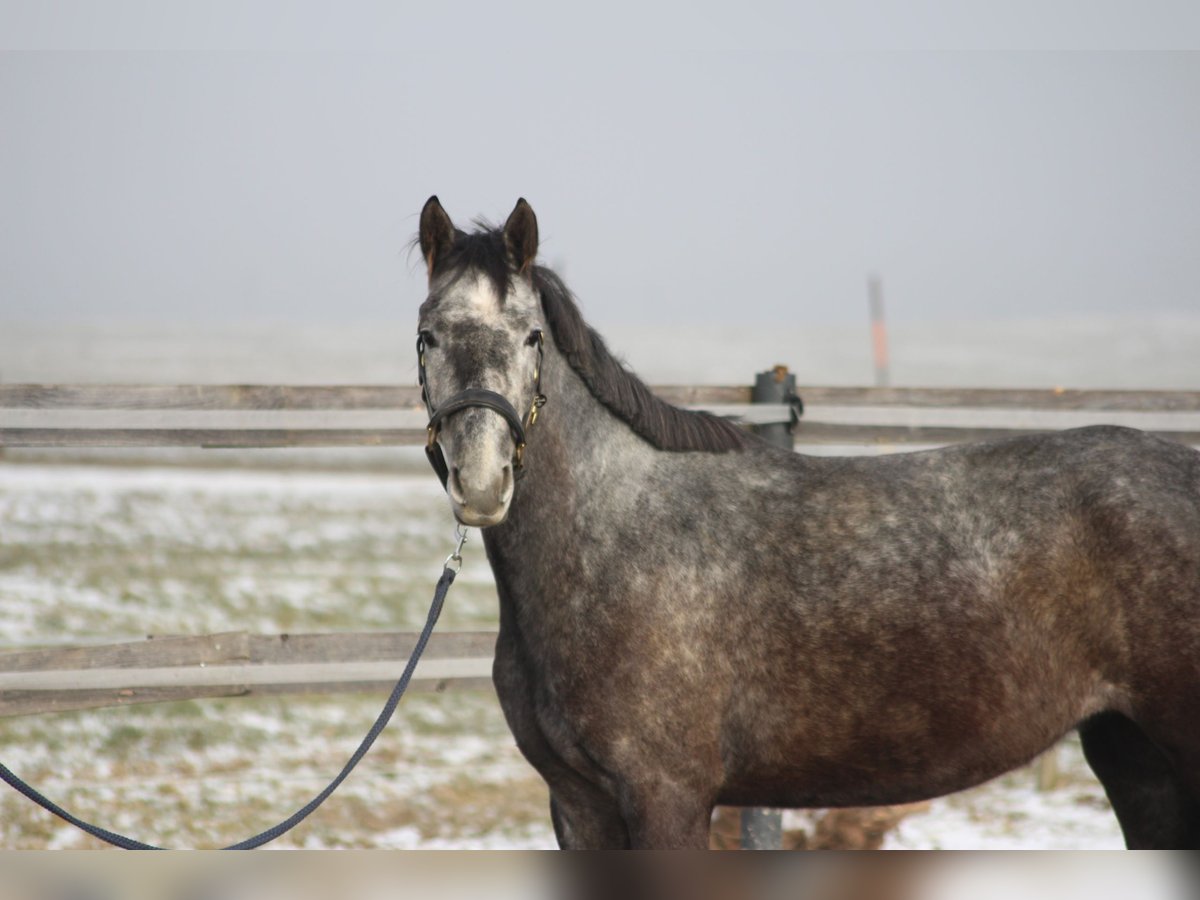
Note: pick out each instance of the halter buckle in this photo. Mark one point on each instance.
(519, 455)
(430, 437)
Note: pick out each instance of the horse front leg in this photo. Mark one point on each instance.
(662, 818)
(585, 822)
(584, 817)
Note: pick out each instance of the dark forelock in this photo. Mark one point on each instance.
(480, 251)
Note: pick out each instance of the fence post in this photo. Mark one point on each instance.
(776, 385)
(762, 829)
(879, 349)
(1047, 769)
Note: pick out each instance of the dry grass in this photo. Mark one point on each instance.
(89, 554)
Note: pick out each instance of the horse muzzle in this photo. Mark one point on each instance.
(480, 496)
(480, 485)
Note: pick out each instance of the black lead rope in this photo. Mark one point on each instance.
(119, 840)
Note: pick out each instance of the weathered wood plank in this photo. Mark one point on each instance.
(367, 646)
(745, 413)
(275, 397)
(238, 646)
(210, 419)
(19, 703)
(189, 650)
(209, 396)
(203, 675)
(347, 397)
(1003, 398)
(702, 394)
(808, 432)
(214, 438)
(235, 664)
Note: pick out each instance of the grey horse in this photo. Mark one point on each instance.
(691, 617)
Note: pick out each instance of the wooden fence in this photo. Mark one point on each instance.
(238, 664)
(354, 416)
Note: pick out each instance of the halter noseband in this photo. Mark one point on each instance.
(477, 397)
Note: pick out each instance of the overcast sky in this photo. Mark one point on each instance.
(734, 174)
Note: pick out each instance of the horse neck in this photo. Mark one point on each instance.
(581, 463)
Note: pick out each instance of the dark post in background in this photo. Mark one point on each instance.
(762, 829)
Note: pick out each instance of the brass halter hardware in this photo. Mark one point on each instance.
(539, 399)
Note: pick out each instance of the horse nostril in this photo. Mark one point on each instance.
(456, 489)
(506, 484)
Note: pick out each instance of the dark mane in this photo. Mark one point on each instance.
(621, 392)
(665, 426)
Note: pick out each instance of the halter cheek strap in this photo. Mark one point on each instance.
(477, 397)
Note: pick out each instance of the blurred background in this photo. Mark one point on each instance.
(172, 174)
(224, 192)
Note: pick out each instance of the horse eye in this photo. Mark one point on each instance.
(534, 337)
(427, 338)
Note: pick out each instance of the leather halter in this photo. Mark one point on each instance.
(477, 397)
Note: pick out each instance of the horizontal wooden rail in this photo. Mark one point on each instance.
(1004, 398)
(210, 438)
(808, 433)
(347, 397)
(249, 416)
(274, 397)
(208, 396)
(235, 664)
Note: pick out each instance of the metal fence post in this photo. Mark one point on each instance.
(777, 385)
(762, 829)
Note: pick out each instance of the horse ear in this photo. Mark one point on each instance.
(437, 232)
(521, 235)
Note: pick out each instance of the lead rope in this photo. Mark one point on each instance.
(449, 570)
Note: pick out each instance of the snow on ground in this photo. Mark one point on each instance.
(94, 553)
(1009, 813)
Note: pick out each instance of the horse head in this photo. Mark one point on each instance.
(480, 355)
